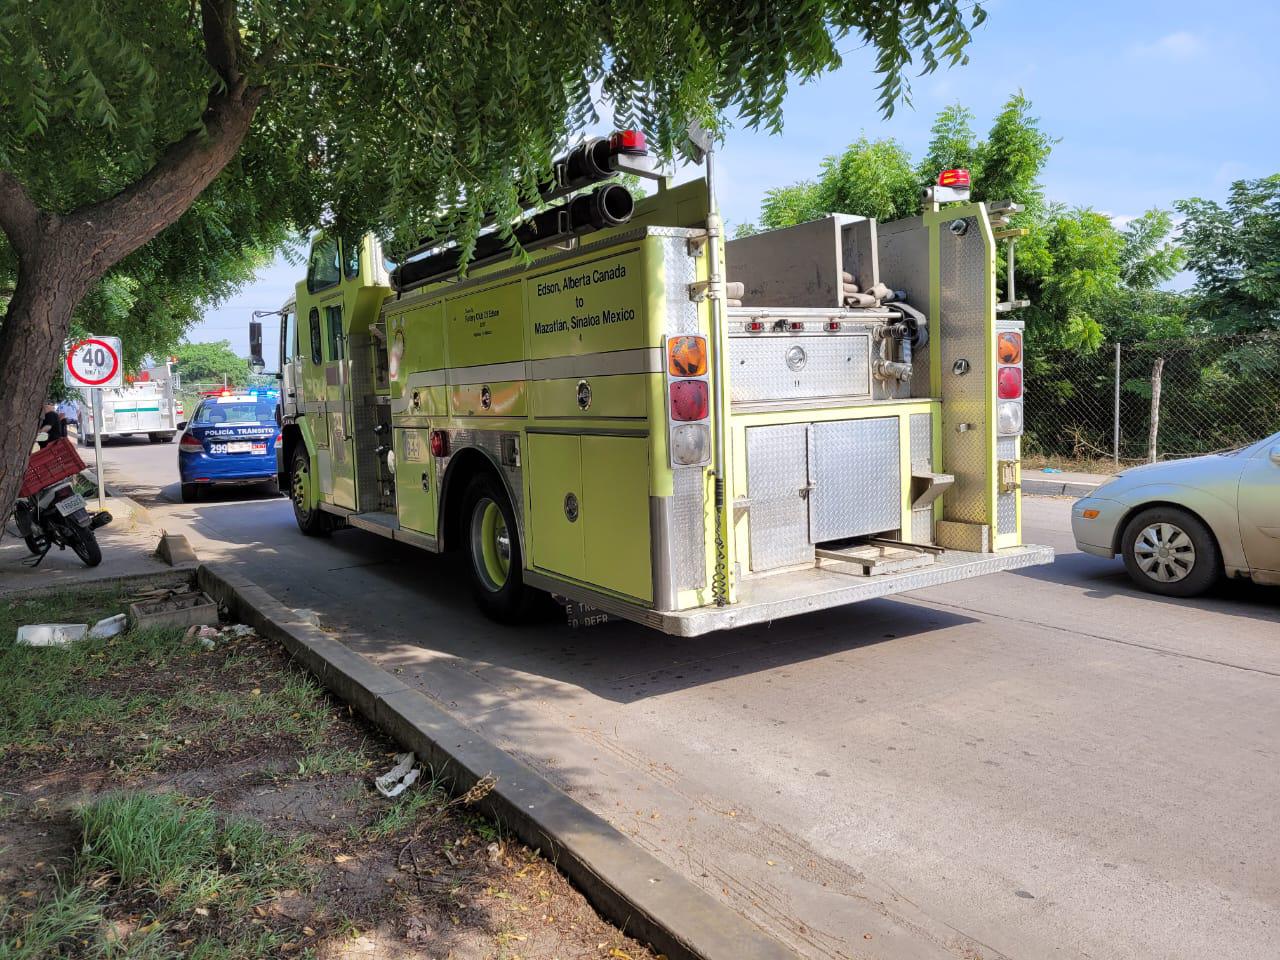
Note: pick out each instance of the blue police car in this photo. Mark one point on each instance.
(230, 439)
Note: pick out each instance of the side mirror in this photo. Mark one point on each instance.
(1275, 456)
(256, 361)
(182, 424)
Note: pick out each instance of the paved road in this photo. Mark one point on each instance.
(1043, 763)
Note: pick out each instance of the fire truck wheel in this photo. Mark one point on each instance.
(311, 519)
(493, 552)
(1168, 551)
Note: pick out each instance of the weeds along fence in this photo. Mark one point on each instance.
(1155, 400)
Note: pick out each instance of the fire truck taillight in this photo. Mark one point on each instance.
(687, 357)
(953, 178)
(1009, 383)
(690, 443)
(754, 326)
(1009, 347)
(690, 400)
(833, 326)
(439, 443)
(1009, 417)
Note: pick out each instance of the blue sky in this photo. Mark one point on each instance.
(1152, 102)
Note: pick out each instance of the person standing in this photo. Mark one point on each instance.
(69, 411)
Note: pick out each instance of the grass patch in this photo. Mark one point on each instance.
(72, 914)
(180, 851)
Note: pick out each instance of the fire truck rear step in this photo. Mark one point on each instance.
(872, 559)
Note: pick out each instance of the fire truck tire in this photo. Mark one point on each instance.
(312, 521)
(491, 542)
(160, 437)
(1169, 551)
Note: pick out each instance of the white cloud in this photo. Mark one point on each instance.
(1179, 45)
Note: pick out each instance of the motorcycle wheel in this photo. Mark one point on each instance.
(35, 544)
(85, 544)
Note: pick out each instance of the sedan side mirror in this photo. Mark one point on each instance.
(1275, 456)
(182, 424)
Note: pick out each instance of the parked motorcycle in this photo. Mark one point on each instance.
(50, 513)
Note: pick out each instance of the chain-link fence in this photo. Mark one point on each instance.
(1135, 403)
(190, 393)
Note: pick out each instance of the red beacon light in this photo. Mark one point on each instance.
(628, 141)
(954, 178)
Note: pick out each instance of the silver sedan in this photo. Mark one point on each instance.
(1182, 524)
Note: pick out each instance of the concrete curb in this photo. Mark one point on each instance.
(1056, 488)
(177, 577)
(640, 895)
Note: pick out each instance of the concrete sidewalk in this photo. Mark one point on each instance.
(128, 550)
(1061, 483)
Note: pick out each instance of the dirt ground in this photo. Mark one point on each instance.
(239, 733)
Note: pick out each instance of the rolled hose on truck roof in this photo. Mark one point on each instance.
(608, 206)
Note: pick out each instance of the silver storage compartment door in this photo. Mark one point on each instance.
(777, 487)
(857, 479)
(773, 367)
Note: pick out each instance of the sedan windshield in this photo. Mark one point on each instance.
(234, 410)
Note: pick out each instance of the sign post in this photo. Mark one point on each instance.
(94, 363)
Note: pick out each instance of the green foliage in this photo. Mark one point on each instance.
(871, 178)
(388, 116)
(211, 362)
(1235, 251)
(952, 144)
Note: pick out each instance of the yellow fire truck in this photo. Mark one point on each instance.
(641, 418)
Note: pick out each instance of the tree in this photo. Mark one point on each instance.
(952, 145)
(872, 178)
(112, 124)
(212, 363)
(1235, 252)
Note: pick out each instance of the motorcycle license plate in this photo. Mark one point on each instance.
(70, 505)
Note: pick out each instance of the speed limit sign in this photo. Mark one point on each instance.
(94, 362)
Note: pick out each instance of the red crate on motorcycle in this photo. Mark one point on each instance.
(55, 462)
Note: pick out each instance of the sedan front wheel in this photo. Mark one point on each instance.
(1168, 550)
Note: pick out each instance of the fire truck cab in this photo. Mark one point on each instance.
(647, 420)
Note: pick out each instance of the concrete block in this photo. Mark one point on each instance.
(181, 610)
(174, 549)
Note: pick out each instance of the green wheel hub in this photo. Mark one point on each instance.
(300, 486)
(490, 544)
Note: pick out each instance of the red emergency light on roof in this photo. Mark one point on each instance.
(953, 178)
(628, 141)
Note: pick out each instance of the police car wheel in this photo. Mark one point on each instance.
(491, 542)
(190, 492)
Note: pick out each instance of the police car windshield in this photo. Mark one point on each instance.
(235, 410)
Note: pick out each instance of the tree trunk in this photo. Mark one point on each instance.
(50, 284)
(60, 257)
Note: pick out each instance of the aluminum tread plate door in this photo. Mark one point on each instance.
(773, 368)
(1007, 503)
(857, 479)
(777, 479)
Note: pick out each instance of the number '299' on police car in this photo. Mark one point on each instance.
(230, 439)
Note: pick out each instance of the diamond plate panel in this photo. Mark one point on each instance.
(857, 479)
(1007, 503)
(689, 523)
(921, 426)
(679, 270)
(964, 273)
(777, 479)
(922, 526)
(770, 368)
